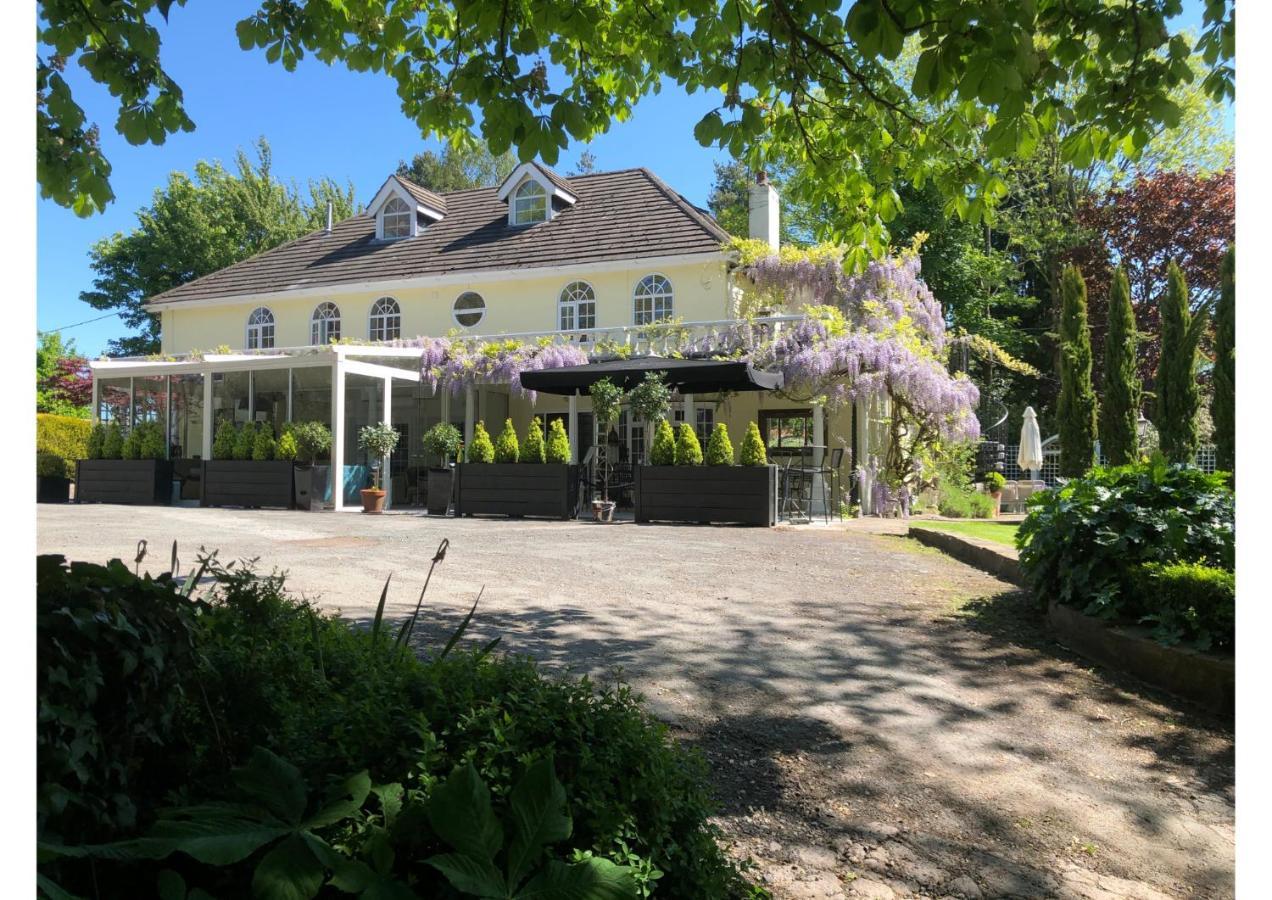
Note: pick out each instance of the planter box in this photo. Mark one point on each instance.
(441, 485)
(742, 494)
(517, 489)
(312, 484)
(52, 489)
(247, 482)
(136, 481)
(189, 473)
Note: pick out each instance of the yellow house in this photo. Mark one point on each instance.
(328, 326)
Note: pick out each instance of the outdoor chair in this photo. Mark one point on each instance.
(796, 491)
(1009, 498)
(831, 486)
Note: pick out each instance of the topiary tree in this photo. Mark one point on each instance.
(688, 450)
(532, 448)
(223, 442)
(651, 399)
(1223, 406)
(131, 448)
(1120, 406)
(96, 441)
(663, 453)
(1177, 393)
(558, 449)
(113, 443)
(481, 450)
(286, 447)
(244, 441)
(313, 439)
(150, 441)
(443, 440)
(263, 447)
(507, 449)
(1076, 408)
(719, 449)
(753, 452)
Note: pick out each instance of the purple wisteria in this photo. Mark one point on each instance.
(458, 364)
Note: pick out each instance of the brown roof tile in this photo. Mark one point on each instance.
(423, 194)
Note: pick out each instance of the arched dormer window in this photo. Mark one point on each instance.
(396, 219)
(386, 320)
(260, 329)
(324, 326)
(576, 307)
(529, 203)
(652, 300)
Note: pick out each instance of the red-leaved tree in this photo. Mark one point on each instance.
(71, 381)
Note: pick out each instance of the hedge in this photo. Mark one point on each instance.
(62, 437)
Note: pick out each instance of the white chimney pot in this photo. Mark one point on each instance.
(765, 212)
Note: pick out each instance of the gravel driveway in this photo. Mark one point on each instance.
(883, 721)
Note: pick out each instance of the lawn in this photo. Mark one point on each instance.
(983, 529)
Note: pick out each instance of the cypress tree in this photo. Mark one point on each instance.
(1223, 407)
(1177, 394)
(1075, 410)
(1120, 404)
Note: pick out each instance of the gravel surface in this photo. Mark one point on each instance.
(882, 720)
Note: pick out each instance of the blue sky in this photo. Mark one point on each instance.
(320, 121)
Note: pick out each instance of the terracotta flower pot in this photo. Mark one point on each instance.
(372, 501)
(998, 503)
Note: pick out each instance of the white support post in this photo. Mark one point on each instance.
(208, 414)
(289, 394)
(132, 403)
(97, 400)
(470, 407)
(819, 432)
(386, 471)
(574, 426)
(863, 453)
(337, 433)
(690, 416)
(251, 398)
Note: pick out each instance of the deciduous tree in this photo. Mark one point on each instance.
(458, 167)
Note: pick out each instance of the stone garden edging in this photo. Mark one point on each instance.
(998, 561)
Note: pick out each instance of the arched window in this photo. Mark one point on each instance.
(576, 307)
(396, 219)
(469, 309)
(529, 203)
(324, 327)
(386, 320)
(260, 329)
(653, 300)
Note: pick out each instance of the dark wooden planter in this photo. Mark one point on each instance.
(136, 481)
(247, 482)
(441, 484)
(743, 494)
(52, 489)
(516, 489)
(189, 474)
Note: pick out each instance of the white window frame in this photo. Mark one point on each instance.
(323, 322)
(406, 212)
(657, 290)
(257, 338)
(456, 313)
(385, 320)
(572, 300)
(543, 196)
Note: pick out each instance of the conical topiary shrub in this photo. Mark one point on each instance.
(131, 448)
(663, 453)
(263, 447)
(507, 449)
(558, 450)
(481, 450)
(245, 441)
(753, 452)
(287, 448)
(719, 448)
(532, 448)
(223, 443)
(113, 443)
(688, 450)
(96, 441)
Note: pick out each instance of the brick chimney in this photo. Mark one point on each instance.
(765, 211)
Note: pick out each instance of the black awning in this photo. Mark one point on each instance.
(688, 376)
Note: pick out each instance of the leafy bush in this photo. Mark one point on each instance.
(507, 450)
(533, 449)
(753, 452)
(650, 400)
(481, 450)
(286, 448)
(1082, 542)
(1186, 602)
(663, 452)
(607, 398)
(49, 466)
(558, 450)
(64, 439)
(956, 503)
(719, 449)
(224, 440)
(113, 443)
(443, 440)
(994, 482)
(313, 441)
(151, 442)
(244, 441)
(263, 448)
(96, 442)
(688, 450)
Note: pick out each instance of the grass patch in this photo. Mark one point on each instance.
(998, 532)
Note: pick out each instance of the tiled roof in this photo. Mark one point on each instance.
(423, 194)
(622, 215)
(556, 179)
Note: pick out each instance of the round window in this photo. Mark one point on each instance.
(469, 308)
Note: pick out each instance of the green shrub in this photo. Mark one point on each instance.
(607, 400)
(956, 503)
(151, 442)
(96, 442)
(558, 450)
(1186, 602)
(481, 450)
(1081, 542)
(131, 448)
(719, 449)
(995, 482)
(224, 440)
(49, 466)
(264, 447)
(65, 438)
(533, 449)
(286, 448)
(507, 449)
(244, 441)
(663, 451)
(313, 441)
(443, 440)
(688, 450)
(113, 443)
(650, 400)
(753, 452)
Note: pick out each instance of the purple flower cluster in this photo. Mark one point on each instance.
(456, 365)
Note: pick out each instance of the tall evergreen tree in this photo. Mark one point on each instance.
(1120, 406)
(1177, 395)
(1223, 408)
(1075, 410)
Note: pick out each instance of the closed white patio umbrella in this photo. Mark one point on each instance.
(1030, 456)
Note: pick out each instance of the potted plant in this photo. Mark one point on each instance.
(59, 441)
(246, 469)
(379, 441)
(518, 478)
(994, 484)
(52, 484)
(126, 469)
(607, 399)
(313, 440)
(443, 440)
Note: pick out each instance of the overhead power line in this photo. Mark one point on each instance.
(77, 324)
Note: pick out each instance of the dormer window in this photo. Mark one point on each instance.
(530, 204)
(397, 219)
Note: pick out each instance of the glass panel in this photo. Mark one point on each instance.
(229, 398)
(150, 399)
(269, 391)
(186, 435)
(362, 407)
(786, 431)
(311, 394)
(113, 399)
